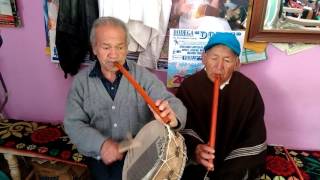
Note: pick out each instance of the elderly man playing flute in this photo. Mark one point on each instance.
(240, 134)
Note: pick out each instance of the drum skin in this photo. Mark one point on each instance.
(160, 155)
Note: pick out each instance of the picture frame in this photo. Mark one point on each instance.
(258, 32)
(9, 15)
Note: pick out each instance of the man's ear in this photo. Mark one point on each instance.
(238, 64)
(94, 49)
(203, 57)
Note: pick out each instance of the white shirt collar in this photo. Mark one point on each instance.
(225, 83)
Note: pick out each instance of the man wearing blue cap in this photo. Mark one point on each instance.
(240, 146)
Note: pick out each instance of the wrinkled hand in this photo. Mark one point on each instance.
(204, 155)
(110, 152)
(165, 110)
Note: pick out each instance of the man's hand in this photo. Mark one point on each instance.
(204, 155)
(165, 111)
(110, 152)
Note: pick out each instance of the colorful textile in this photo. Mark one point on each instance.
(36, 139)
(49, 141)
(279, 167)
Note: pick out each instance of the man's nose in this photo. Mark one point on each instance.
(220, 64)
(113, 52)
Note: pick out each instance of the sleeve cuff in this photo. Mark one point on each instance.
(178, 125)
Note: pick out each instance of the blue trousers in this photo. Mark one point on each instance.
(100, 171)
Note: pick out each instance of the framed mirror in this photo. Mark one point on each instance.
(285, 21)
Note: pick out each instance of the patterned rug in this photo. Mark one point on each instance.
(34, 139)
(49, 141)
(280, 168)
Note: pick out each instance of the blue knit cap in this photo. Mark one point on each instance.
(224, 38)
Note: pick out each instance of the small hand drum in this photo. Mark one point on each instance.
(161, 154)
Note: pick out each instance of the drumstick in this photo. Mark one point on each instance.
(128, 143)
(214, 111)
(141, 91)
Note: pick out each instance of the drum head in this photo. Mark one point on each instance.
(157, 157)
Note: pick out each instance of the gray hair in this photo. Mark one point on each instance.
(107, 21)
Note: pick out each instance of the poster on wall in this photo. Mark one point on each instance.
(50, 8)
(212, 15)
(185, 49)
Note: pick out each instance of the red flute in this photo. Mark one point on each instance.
(141, 91)
(214, 111)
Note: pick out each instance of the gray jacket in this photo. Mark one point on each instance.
(92, 116)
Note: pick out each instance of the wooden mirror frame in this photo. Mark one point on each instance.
(258, 34)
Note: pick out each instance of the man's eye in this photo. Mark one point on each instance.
(227, 60)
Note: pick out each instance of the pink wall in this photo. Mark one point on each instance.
(37, 88)
(290, 85)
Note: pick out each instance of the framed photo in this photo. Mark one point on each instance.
(284, 21)
(9, 14)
